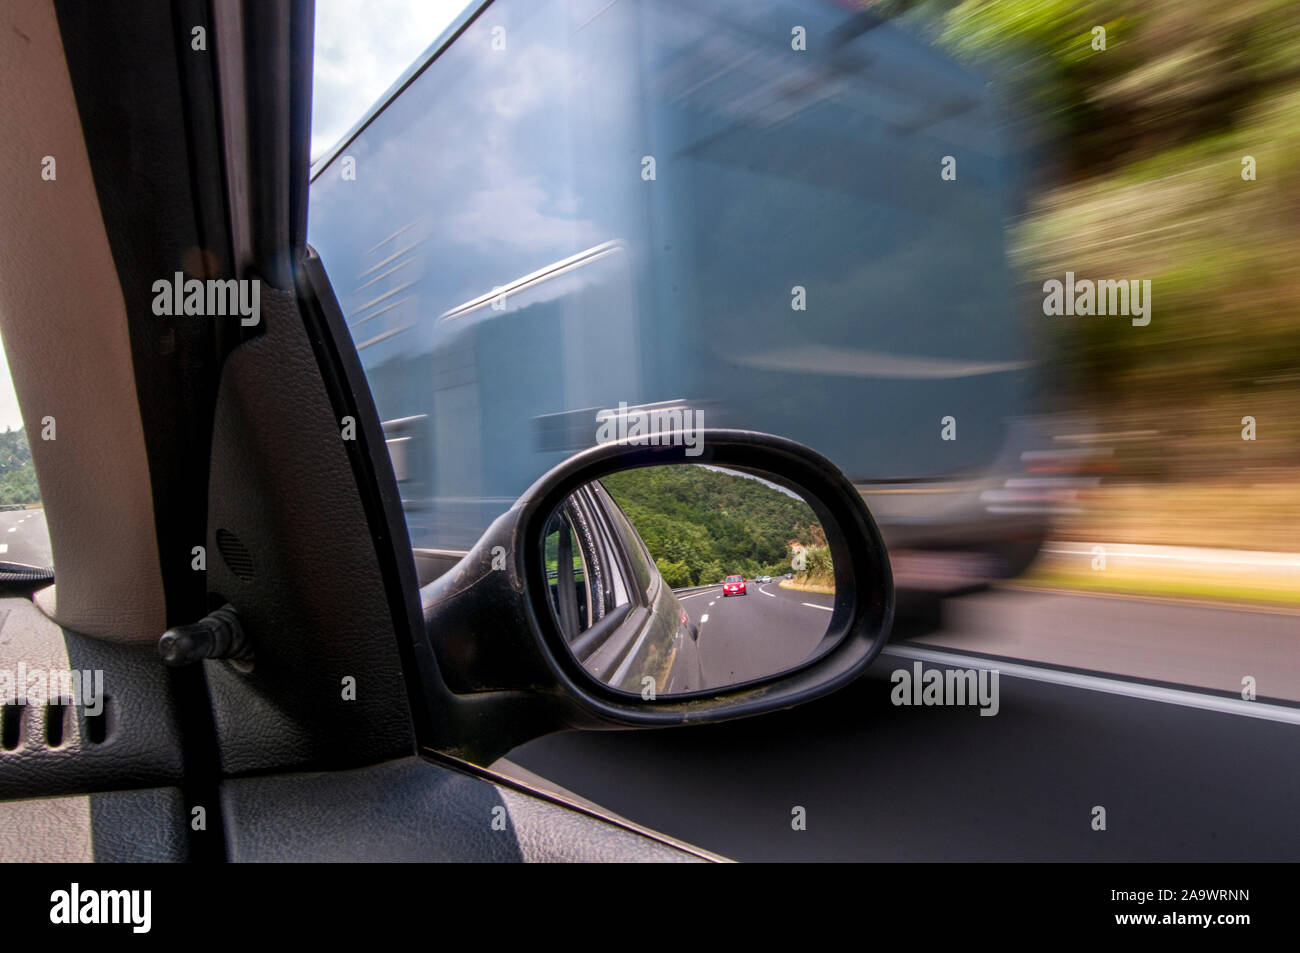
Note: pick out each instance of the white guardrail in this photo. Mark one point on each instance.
(712, 585)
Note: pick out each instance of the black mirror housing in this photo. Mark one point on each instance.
(493, 633)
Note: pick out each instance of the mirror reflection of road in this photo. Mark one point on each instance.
(767, 631)
(24, 537)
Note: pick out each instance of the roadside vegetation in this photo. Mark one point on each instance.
(818, 574)
(702, 524)
(17, 475)
(1133, 168)
(1172, 155)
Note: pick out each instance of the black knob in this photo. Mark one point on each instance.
(218, 635)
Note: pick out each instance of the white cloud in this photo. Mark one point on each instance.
(362, 47)
(10, 417)
(525, 205)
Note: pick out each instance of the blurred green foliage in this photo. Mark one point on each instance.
(1136, 152)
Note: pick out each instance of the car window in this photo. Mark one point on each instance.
(631, 543)
(357, 58)
(851, 229)
(585, 565)
(566, 571)
(24, 537)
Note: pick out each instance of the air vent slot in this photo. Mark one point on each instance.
(11, 726)
(56, 721)
(235, 554)
(97, 725)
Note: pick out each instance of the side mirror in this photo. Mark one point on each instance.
(596, 600)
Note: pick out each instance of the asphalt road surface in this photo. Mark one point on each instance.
(881, 782)
(769, 630)
(24, 537)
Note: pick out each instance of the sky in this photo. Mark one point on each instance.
(10, 418)
(362, 47)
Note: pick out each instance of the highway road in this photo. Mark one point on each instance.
(883, 782)
(769, 630)
(24, 537)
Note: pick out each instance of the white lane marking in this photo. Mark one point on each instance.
(703, 619)
(714, 602)
(4, 547)
(766, 593)
(1217, 558)
(1113, 686)
(13, 529)
(813, 605)
(691, 596)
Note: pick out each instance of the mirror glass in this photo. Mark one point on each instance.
(688, 577)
